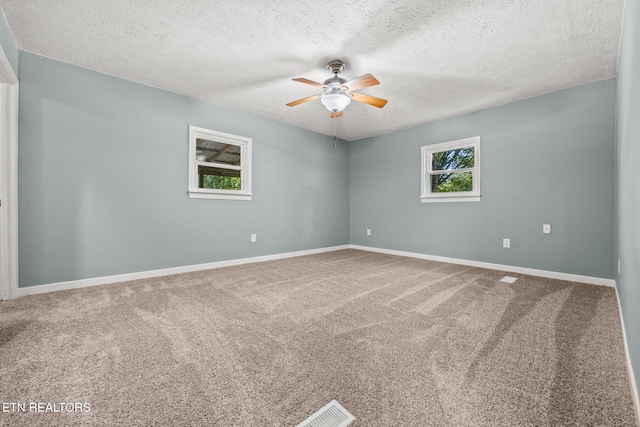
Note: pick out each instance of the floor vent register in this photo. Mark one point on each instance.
(332, 414)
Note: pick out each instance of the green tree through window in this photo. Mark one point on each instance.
(221, 182)
(451, 160)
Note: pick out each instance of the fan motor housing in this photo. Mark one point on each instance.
(334, 83)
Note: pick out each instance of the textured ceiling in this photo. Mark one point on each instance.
(434, 59)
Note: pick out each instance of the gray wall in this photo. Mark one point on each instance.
(103, 175)
(628, 182)
(8, 44)
(103, 180)
(548, 159)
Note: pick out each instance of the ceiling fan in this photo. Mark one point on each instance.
(339, 92)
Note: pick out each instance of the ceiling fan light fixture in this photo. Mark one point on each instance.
(339, 92)
(335, 101)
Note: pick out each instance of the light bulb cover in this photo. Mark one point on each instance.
(335, 101)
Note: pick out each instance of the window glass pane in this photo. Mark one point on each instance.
(451, 182)
(218, 152)
(452, 159)
(218, 178)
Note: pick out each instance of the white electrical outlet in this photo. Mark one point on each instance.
(546, 228)
(506, 243)
(253, 238)
(618, 265)
(368, 232)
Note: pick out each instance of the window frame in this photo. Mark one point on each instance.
(243, 142)
(427, 151)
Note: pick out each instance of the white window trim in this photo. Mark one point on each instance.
(426, 196)
(245, 169)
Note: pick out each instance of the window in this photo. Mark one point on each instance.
(219, 165)
(451, 171)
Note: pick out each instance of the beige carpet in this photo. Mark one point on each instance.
(397, 341)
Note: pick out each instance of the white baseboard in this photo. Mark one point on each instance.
(83, 283)
(522, 270)
(76, 284)
(632, 378)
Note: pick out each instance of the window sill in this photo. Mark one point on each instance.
(219, 196)
(450, 199)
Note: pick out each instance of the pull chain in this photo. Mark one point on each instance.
(334, 133)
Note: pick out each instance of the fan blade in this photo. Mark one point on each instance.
(360, 82)
(300, 101)
(367, 99)
(335, 115)
(309, 82)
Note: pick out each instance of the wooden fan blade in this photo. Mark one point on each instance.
(335, 115)
(367, 99)
(362, 81)
(300, 101)
(309, 82)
